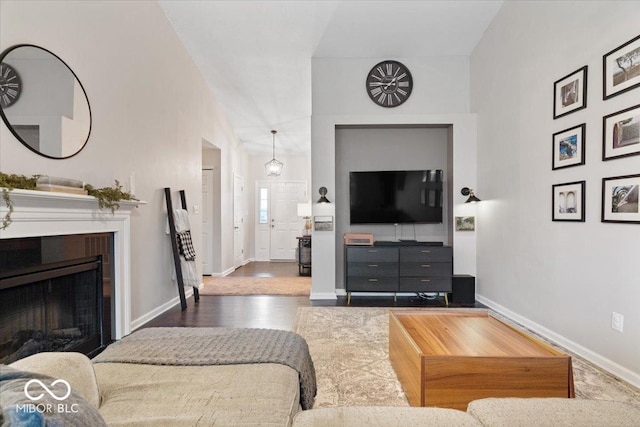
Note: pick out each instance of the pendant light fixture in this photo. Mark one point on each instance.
(274, 167)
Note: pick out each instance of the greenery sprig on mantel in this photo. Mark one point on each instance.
(108, 197)
(8, 183)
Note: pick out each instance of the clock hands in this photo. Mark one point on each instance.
(386, 85)
(391, 82)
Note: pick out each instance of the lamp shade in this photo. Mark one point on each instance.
(304, 209)
(466, 191)
(323, 195)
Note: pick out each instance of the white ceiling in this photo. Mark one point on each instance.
(256, 55)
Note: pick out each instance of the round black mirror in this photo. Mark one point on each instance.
(42, 102)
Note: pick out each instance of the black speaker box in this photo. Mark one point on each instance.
(463, 288)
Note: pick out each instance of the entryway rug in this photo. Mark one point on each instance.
(238, 285)
(350, 351)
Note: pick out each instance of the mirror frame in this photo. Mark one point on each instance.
(10, 126)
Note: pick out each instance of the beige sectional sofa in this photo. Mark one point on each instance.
(129, 394)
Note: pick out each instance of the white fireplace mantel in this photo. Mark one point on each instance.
(40, 213)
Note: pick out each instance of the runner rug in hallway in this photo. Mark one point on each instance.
(350, 351)
(238, 285)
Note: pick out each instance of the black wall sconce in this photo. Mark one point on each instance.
(323, 195)
(466, 191)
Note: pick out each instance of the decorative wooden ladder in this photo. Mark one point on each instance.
(174, 247)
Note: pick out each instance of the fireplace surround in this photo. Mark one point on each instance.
(46, 214)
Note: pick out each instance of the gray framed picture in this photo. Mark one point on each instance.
(620, 199)
(568, 147)
(570, 93)
(621, 133)
(621, 69)
(568, 201)
(465, 223)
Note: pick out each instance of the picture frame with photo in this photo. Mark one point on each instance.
(569, 147)
(620, 199)
(621, 69)
(570, 93)
(568, 201)
(465, 223)
(621, 133)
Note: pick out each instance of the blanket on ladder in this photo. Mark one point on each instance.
(217, 346)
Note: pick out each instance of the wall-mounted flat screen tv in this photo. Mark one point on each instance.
(396, 197)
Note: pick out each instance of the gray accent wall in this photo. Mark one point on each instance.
(385, 148)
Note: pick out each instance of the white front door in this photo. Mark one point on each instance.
(285, 223)
(238, 221)
(207, 221)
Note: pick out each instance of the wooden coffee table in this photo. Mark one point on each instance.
(449, 358)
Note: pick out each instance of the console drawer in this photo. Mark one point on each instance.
(426, 253)
(372, 284)
(372, 254)
(372, 269)
(425, 284)
(426, 269)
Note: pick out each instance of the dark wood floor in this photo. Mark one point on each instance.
(265, 311)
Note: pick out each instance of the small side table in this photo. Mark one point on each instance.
(304, 255)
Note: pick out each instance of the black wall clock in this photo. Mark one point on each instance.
(10, 85)
(389, 84)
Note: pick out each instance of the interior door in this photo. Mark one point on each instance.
(285, 223)
(207, 221)
(238, 221)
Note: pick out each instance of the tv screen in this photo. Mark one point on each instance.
(396, 197)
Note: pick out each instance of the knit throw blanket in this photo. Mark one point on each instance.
(217, 346)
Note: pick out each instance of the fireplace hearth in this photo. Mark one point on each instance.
(55, 294)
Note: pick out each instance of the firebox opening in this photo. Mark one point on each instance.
(55, 306)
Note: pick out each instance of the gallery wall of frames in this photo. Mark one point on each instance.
(620, 138)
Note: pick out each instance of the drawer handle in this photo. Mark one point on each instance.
(373, 265)
(373, 280)
(426, 265)
(372, 251)
(425, 280)
(426, 252)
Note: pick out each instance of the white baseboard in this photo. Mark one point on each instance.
(323, 295)
(147, 317)
(227, 272)
(593, 357)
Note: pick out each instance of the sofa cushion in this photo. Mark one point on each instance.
(76, 368)
(223, 395)
(33, 399)
(541, 412)
(379, 416)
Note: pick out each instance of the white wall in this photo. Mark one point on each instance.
(440, 97)
(146, 121)
(561, 278)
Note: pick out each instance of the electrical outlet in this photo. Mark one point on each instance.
(617, 321)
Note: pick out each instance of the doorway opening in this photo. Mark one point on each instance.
(277, 222)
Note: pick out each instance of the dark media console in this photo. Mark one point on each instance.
(405, 243)
(394, 267)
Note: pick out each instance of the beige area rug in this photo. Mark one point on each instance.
(349, 347)
(237, 285)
